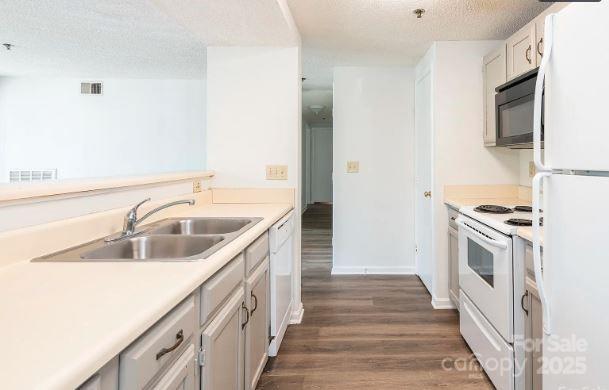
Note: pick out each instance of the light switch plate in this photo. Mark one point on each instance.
(532, 169)
(352, 166)
(277, 172)
(196, 186)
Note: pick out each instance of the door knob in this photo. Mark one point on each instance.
(427, 194)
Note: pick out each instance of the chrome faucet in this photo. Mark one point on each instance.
(131, 220)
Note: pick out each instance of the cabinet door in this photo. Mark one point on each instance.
(257, 331)
(539, 28)
(181, 374)
(494, 68)
(223, 347)
(521, 51)
(453, 265)
(533, 333)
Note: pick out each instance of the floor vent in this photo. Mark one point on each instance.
(28, 176)
(91, 88)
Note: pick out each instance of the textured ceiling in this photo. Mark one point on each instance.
(317, 97)
(386, 32)
(91, 38)
(133, 38)
(235, 22)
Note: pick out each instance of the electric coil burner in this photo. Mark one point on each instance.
(493, 209)
(519, 222)
(522, 222)
(526, 209)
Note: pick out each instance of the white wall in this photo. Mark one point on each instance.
(253, 114)
(460, 156)
(136, 127)
(526, 156)
(373, 209)
(254, 120)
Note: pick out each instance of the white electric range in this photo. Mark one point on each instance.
(486, 281)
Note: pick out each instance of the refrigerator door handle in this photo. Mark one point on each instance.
(537, 181)
(541, 75)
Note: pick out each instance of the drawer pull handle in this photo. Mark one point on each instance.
(247, 315)
(255, 303)
(526, 294)
(527, 54)
(453, 218)
(540, 46)
(179, 340)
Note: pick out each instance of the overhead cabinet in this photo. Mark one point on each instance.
(494, 68)
(520, 55)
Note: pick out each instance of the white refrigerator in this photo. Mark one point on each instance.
(574, 179)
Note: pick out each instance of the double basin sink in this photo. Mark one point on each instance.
(175, 239)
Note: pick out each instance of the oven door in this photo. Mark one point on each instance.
(485, 273)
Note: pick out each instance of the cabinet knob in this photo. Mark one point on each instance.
(427, 194)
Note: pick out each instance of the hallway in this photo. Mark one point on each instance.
(367, 332)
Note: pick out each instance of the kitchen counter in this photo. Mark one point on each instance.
(63, 321)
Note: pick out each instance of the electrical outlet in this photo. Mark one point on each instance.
(196, 186)
(277, 172)
(532, 169)
(352, 166)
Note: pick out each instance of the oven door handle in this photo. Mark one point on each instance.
(490, 241)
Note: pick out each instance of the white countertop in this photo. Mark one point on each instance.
(61, 322)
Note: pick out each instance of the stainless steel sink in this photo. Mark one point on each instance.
(174, 239)
(155, 248)
(189, 226)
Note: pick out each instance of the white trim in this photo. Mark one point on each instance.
(305, 208)
(89, 186)
(442, 303)
(373, 270)
(297, 315)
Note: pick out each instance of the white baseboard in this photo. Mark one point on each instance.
(296, 317)
(442, 303)
(305, 208)
(373, 270)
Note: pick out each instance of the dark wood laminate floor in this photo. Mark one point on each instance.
(366, 332)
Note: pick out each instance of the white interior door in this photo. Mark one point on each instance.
(423, 182)
(321, 172)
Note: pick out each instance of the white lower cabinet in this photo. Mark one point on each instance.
(453, 257)
(181, 375)
(257, 331)
(222, 355)
(218, 335)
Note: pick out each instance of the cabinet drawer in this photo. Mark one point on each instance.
(256, 252)
(148, 355)
(219, 287)
(181, 374)
(452, 218)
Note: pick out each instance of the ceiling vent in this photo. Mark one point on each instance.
(28, 176)
(91, 88)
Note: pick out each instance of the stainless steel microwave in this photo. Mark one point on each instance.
(514, 111)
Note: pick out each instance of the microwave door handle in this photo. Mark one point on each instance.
(538, 97)
(490, 241)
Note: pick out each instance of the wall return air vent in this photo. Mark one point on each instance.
(29, 176)
(94, 88)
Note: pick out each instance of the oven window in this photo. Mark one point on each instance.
(480, 261)
(516, 117)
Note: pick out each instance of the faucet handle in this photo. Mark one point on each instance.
(137, 206)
